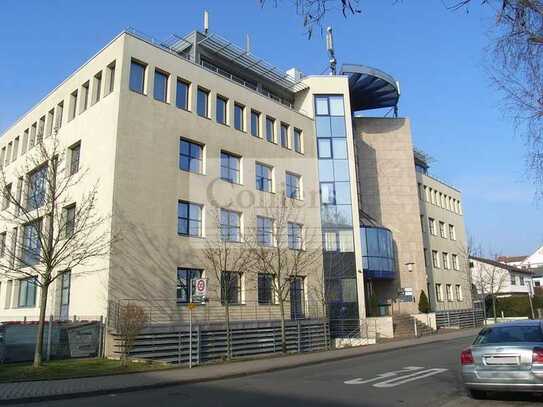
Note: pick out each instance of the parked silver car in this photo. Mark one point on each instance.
(505, 357)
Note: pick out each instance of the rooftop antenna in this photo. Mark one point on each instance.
(330, 48)
(206, 22)
(247, 44)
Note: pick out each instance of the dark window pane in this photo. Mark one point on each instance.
(182, 95)
(161, 86)
(202, 103)
(221, 110)
(255, 124)
(238, 117)
(137, 77)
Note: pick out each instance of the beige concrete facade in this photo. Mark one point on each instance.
(445, 245)
(388, 194)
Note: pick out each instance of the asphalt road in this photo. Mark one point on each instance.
(425, 375)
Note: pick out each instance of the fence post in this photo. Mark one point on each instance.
(298, 325)
(100, 334)
(49, 335)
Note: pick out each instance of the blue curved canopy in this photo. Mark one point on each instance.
(370, 88)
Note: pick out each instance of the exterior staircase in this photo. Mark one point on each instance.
(404, 327)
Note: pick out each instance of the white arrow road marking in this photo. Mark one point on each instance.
(383, 375)
(409, 378)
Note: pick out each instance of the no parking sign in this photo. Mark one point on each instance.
(200, 290)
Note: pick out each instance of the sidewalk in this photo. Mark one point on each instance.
(68, 388)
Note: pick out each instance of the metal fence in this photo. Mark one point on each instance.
(62, 339)
(208, 342)
(463, 318)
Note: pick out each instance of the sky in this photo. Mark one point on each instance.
(437, 55)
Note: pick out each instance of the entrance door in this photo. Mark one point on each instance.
(297, 298)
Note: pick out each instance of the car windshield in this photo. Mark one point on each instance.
(501, 334)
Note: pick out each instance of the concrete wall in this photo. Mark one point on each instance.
(452, 245)
(388, 193)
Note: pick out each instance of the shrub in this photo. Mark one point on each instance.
(424, 304)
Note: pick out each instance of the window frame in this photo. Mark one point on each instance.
(187, 84)
(284, 136)
(260, 178)
(189, 219)
(297, 140)
(224, 110)
(239, 288)
(189, 156)
(160, 73)
(229, 169)
(288, 186)
(270, 124)
(255, 126)
(298, 245)
(265, 231)
(238, 107)
(192, 275)
(265, 290)
(202, 92)
(226, 228)
(141, 85)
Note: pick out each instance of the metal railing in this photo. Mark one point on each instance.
(207, 343)
(465, 318)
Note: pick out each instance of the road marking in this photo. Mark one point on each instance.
(409, 378)
(384, 375)
(397, 377)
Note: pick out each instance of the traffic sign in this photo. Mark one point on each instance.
(200, 290)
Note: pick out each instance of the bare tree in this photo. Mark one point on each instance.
(227, 255)
(61, 228)
(313, 12)
(287, 251)
(131, 321)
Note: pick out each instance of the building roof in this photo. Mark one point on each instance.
(504, 266)
(510, 259)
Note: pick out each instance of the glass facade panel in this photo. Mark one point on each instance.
(337, 125)
(326, 170)
(323, 127)
(325, 148)
(339, 149)
(336, 106)
(377, 252)
(341, 170)
(321, 105)
(343, 193)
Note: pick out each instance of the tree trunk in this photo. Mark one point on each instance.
(39, 337)
(283, 333)
(494, 308)
(228, 339)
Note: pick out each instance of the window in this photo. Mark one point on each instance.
(325, 148)
(422, 223)
(6, 197)
(186, 280)
(255, 123)
(449, 292)
(8, 155)
(31, 242)
(297, 140)
(73, 111)
(265, 289)
(426, 261)
(15, 148)
(432, 225)
(97, 86)
(202, 102)
(160, 89)
(221, 109)
(2, 244)
(328, 195)
(84, 96)
(452, 232)
(75, 152)
(294, 236)
(190, 157)
(65, 283)
(69, 214)
(459, 295)
(270, 129)
(111, 77)
(230, 224)
(293, 186)
(513, 279)
(182, 94)
(455, 262)
(239, 112)
(189, 219)
(264, 231)
(137, 77)
(435, 259)
(439, 293)
(58, 119)
(521, 280)
(230, 288)
(442, 231)
(9, 289)
(50, 119)
(446, 265)
(27, 293)
(23, 147)
(36, 188)
(230, 168)
(32, 138)
(263, 178)
(284, 135)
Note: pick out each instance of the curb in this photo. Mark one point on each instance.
(176, 382)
